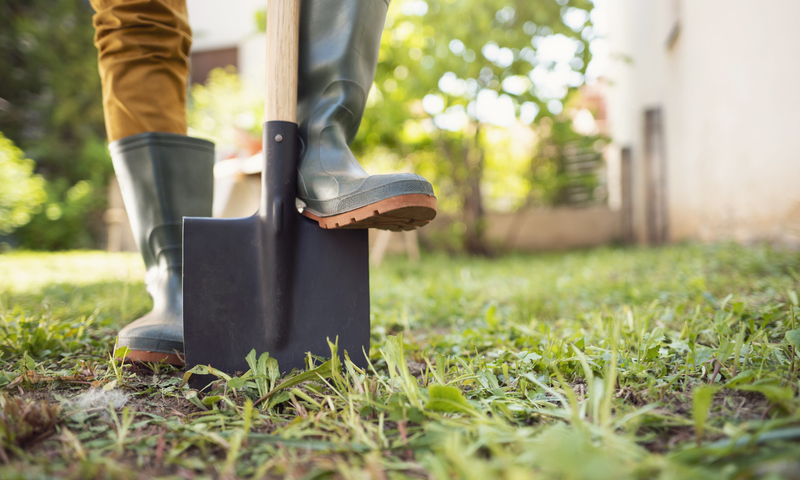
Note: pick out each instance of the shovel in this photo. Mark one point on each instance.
(275, 282)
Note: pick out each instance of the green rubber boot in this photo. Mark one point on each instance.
(339, 45)
(163, 177)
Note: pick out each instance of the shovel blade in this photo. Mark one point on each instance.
(228, 308)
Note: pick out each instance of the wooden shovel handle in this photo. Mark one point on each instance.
(283, 26)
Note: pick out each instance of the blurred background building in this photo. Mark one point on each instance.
(705, 116)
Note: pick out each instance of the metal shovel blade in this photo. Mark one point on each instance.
(275, 282)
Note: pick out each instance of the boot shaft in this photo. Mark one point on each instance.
(163, 178)
(339, 43)
(339, 47)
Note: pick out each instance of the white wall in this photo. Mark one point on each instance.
(232, 24)
(216, 24)
(727, 89)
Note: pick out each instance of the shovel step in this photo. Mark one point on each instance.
(398, 214)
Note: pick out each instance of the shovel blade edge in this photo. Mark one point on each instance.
(226, 306)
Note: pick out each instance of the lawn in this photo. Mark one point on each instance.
(675, 362)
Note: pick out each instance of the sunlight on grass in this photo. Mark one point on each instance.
(31, 271)
(676, 362)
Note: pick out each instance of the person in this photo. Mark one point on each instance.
(143, 59)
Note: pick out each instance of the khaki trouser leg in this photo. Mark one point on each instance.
(143, 58)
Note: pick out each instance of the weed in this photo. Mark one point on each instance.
(678, 362)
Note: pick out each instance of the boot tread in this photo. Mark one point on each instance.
(397, 214)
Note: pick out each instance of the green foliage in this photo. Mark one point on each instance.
(225, 108)
(701, 402)
(264, 371)
(52, 109)
(576, 365)
(21, 192)
(793, 338)
(42, 338)
(452, 73)
(71, 218)
(43, 316)
(444, 398)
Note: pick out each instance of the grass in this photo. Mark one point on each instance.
(676, 362)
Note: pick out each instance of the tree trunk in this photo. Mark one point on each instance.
(473, 215)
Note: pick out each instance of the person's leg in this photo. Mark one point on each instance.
(143, 48)
(339, 46)
(143, 58)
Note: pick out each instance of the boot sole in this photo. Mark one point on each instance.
(155, 357)
(398, 214)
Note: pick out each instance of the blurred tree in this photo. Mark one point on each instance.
(21, 192)
(51, 107)
(226, 111)
(451, 71)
